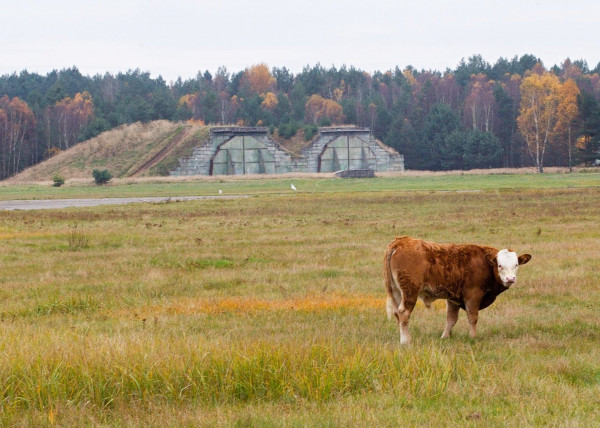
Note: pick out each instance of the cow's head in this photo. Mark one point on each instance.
(505, 264)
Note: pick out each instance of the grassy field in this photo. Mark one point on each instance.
(305, 183)
(269, 310)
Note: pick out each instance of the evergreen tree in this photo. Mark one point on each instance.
(403, 137)
(439, 124)
(285, 79)
(481, 150)
(505, 126)
(298, 100)
(452, 152)
(588, 144)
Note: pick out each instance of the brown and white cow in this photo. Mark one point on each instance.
(468, 276)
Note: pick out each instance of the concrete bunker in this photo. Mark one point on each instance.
(242, 154)
(344, 148)
(346, 152)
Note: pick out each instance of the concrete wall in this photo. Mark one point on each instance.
(249, 150)
(348, 148)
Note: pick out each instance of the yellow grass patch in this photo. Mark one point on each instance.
(238, 305)
(20, 235)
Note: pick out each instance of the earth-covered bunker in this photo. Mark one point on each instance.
(250, 150)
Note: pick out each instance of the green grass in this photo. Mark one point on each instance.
(269, 311)
(258, 186)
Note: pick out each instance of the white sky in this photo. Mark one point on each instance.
(181, 37)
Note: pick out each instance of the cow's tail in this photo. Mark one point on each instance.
(390, 305)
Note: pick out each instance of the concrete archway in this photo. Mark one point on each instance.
(346, 152)
(242, 154)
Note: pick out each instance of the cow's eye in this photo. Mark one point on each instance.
(499, 266)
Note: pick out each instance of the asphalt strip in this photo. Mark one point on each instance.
(45, 204)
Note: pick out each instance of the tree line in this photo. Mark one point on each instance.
(510, 114)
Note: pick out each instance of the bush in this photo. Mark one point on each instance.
(101, 177)
(324, 121)
(310, 131)
(59, 180)
(288, 130)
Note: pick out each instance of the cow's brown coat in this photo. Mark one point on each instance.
(465, 275)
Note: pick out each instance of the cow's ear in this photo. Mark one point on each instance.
(491, 259)
(524, 258)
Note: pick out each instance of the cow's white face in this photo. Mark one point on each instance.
(508, 264)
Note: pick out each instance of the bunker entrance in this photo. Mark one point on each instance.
(242, 155)
(346, 152)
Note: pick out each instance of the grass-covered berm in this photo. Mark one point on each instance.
(269, 311)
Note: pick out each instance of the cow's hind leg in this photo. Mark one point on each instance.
(451, 317)
(404, 310)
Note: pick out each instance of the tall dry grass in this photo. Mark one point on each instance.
(270, 310)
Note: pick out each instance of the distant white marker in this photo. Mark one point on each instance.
(293, 187)
(220, 191)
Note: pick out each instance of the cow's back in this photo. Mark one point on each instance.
(433, 265)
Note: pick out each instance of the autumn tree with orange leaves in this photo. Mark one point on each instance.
(269, 101)
(68, 117)
(258, 79)
(319, 108)
(17, 124)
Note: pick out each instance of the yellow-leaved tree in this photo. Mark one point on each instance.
(270, 101)
(258, 79)
(568, 111)
(539, 113)
(318, 108)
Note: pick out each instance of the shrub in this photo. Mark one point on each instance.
(101, 177)
(310, 131)
(288, 130)
(58, 179)
(324, 121)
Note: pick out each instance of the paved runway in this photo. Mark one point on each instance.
(42, 204)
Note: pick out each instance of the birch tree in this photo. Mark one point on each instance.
(539, 113)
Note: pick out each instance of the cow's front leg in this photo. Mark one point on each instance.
(472, 315)
(451, 317)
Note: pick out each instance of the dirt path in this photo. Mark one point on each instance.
(161, 154)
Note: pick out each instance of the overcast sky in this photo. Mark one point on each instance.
(181, 37)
